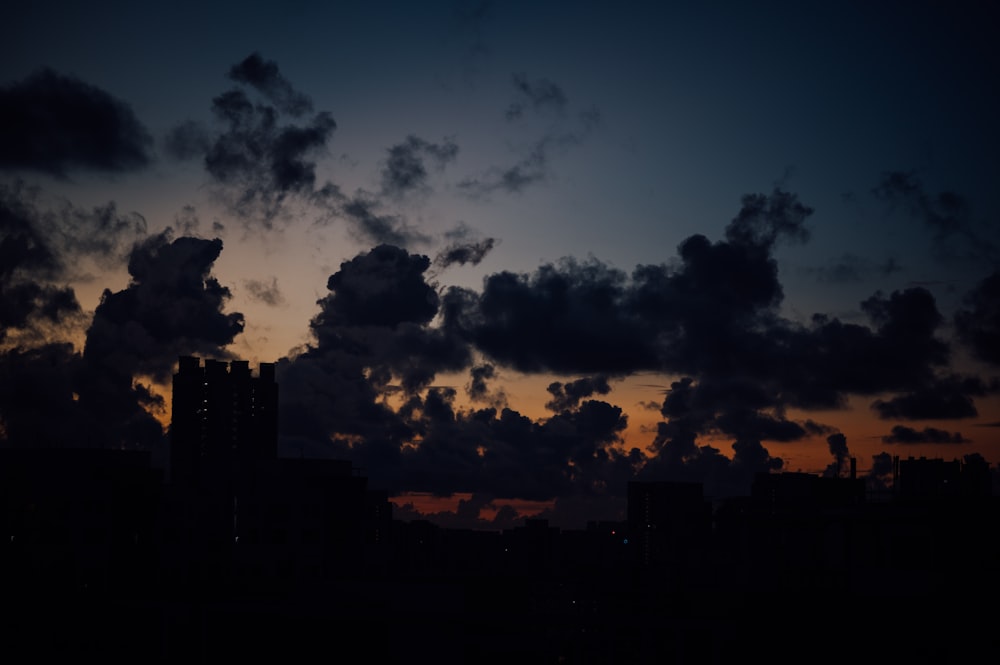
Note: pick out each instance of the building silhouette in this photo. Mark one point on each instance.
(240, 552)
(222, 419)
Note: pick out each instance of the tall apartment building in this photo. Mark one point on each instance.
(223, 418)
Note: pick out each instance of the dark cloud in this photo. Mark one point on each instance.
(946, 398)
(553, 320)
(375, 338)
(819, 365)
(947, 214)
(712, 317)
(506, 455)
(186, 222)
(105, 396)
(850, 268)
(28, 264)
(260, 162)
(371, 338)
(532, 164)
(38, 406)
(881, 476)
(405, 168)
(256, 161)
(528, 170)
(370, 226)
(764, 219)
(383, 287)
(57, 124)
(840, 467)
(978, 321)
(478, 388)
(902, 434)
(706, 311)
(263, 75)
(265, 292)
(41, 247)
(188, 140)
(172, 306)
(567, 396)
(540, 94)
(464, 252)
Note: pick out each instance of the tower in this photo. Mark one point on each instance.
(223, 417)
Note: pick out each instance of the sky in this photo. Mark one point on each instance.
(508, 257)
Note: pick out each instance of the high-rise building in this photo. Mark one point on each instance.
(223, 417)
(668, 522)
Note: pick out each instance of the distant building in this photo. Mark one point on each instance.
(923, 479)
(222, 417)
(796, 492)
(237, 511)
(668, 522)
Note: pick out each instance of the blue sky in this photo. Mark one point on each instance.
(532, 132)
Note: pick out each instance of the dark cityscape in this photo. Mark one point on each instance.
(240, 553)
(468, 331)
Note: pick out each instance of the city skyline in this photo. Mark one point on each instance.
(505, 258)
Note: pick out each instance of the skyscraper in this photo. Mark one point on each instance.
(222, 418)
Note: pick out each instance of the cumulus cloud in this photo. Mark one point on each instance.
(172, 306)
(42, 245)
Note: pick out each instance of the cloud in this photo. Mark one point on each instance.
(947, 214)
(57, 124)
(663, 318)
(528, 170)
(370, 226)
(850, 268)
(478, 387)
(463, 250)
(103, 396)
(405, 168)
(42, 245)
(540, 94)
(978, 321)
(255, 161)
(263, 75)
(840, 466)
(947, 397)
(881, 475)
(532, 164)
(553, 320)
(567, 396)
(188, 140)
(371, 339)
(28, 266)
(265, 292)
(902, 434)
(172, 306)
